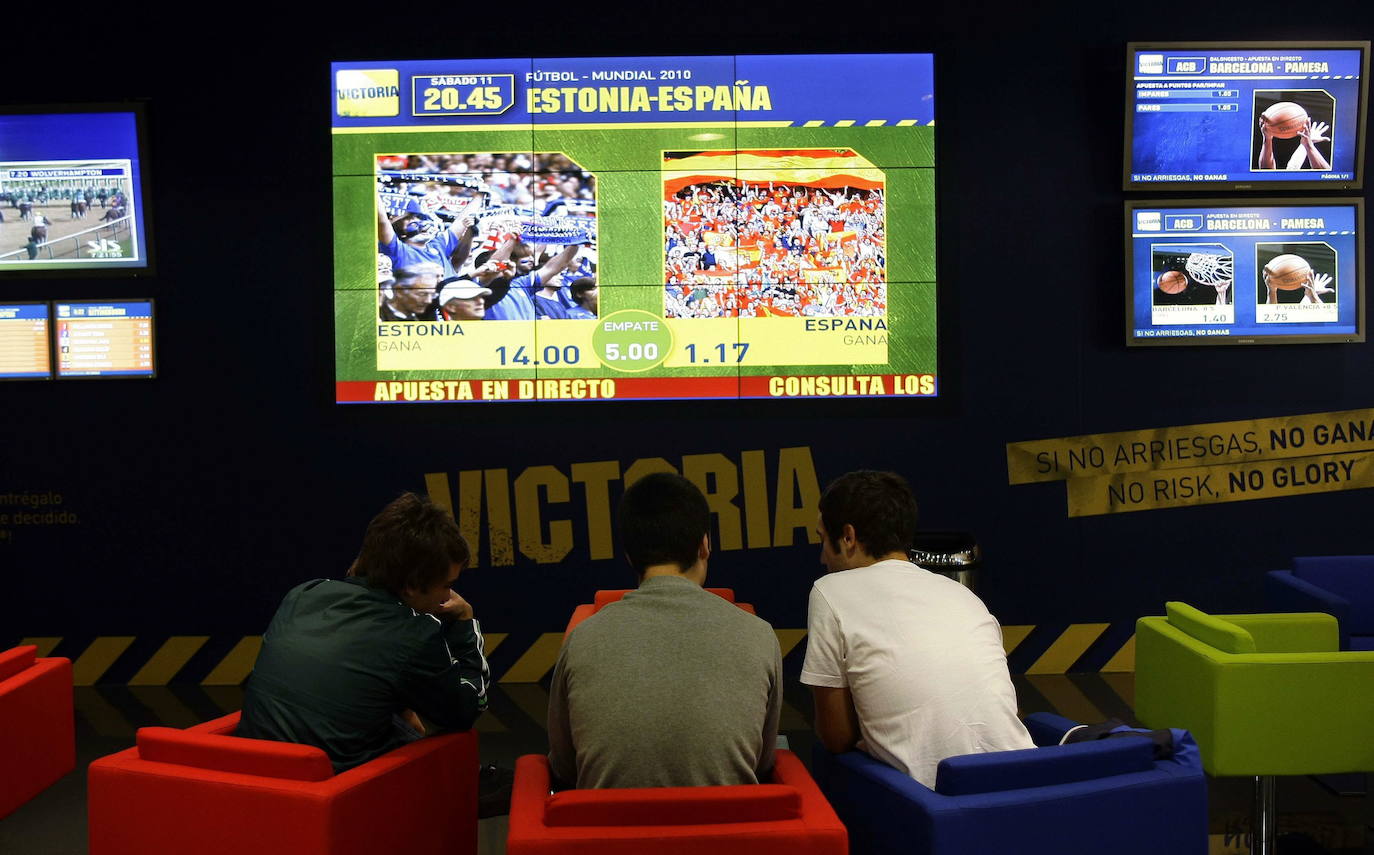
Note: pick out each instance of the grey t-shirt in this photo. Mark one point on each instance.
(672, 686)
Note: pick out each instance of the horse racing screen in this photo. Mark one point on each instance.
(71, 191)
(1237, 272)
(1246, 115)
(634, 228)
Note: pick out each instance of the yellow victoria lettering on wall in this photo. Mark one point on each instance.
(522, 513)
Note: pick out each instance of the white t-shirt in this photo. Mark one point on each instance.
(923, 659)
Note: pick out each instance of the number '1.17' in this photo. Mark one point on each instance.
(740, 347)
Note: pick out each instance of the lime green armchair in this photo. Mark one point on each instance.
(1264, 695)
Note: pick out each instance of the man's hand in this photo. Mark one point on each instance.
(410, 718)
(1221, 291)
(454, 608)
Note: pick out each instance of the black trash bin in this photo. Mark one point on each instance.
(950, 553)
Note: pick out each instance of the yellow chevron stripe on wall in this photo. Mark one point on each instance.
(169, 662)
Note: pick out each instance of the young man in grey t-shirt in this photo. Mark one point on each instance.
(672, 686)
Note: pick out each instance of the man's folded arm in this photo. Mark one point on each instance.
(448, 677)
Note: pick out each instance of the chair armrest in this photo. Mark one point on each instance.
(1292, 713)
(817, 812)
(1047, 728)
(529, 792)
(1285, 592)
(225, 724)
(579, 614)
(16, 660)
(1053, 765)
(1300, 632)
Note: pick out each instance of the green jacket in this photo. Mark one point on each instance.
(341, 659)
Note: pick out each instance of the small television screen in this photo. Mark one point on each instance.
(106, 338)
(1267, 271)
(634, 228)
(25, 350)
(1246, 115)
(72, 191)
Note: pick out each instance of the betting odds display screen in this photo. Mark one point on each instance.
(634, 228)
(105, 339)
(1246, 115)
(71, 192)
(1227, 272)
(25, 351)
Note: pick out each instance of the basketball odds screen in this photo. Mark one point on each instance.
(1229, 273)
(70, 192)
(1236, 115)
(634, 228)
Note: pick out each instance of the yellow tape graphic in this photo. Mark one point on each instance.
(91, 665)
(1208, 485)
(1066, 649)
(1012, 636)
(235, 668)
(1189, 446)
(46, 644)
(537, 661)
(531, 666)
(170, 658)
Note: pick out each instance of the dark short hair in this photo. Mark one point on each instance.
(878, 504)
(580, 287)
(412, 543)
(662, 517)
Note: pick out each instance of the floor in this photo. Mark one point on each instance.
(1314, 815)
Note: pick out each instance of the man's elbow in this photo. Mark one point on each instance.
(836, 741)
(458, 717)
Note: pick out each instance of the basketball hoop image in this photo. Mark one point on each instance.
(1212, 269)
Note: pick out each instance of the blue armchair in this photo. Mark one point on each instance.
(1107, 795)
(1339, 585)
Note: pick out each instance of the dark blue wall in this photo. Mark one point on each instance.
(203, 495)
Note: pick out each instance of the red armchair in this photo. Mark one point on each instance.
(202, 790)
(787, 817)
(604, 598)
(37, 737)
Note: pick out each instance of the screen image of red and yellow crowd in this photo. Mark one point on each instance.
(634, 228)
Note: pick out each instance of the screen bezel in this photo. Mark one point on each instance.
(1132, 205)
(1245, 186)
(52, 366)
(52, 339)
(140, 111)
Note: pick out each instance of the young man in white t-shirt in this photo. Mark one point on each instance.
(904, 664)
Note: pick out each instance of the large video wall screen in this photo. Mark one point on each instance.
(634, 228)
